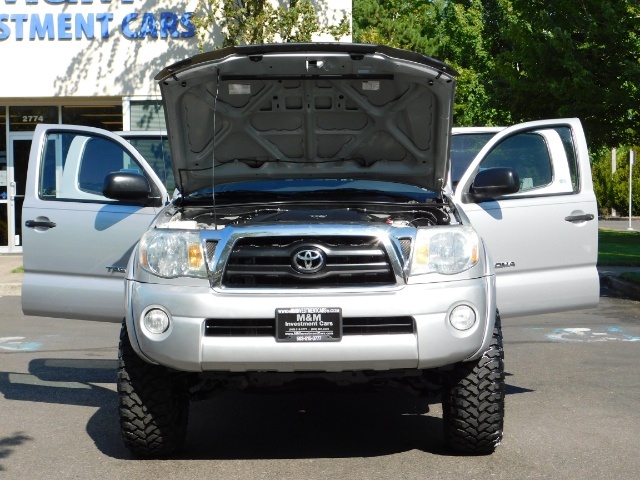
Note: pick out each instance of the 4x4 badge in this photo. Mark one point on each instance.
(117, 269)
(308, 260)
(505, 264)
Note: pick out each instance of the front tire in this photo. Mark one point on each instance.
(153, 404)
(473, 401)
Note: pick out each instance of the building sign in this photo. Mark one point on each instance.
(101, 49)
(79, 20)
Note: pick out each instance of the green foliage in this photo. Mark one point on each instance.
(397, 23)
(525, 60)
(452, 31)
(467, 42)
(571, 59)
(244, 22)
(612, 189)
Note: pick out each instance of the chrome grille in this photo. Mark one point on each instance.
(267, 262)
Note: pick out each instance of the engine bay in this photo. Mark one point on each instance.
(396, 216)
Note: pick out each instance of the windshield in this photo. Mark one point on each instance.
(318, 189)
(156, 151)
(464, 148)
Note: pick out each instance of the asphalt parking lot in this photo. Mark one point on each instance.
(573, 408)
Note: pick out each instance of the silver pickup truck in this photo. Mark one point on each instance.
(318, 233)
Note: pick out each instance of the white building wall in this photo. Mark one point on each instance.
(86, 48)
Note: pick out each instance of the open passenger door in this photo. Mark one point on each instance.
(543, 240)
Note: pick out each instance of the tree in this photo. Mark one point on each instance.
(452, 31)
(571, 59)
(525, 59)
(612, 189)
(397, 23)
(242, 22)
(469, 40)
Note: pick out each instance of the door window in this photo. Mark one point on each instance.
(75, 165)
(544, 160)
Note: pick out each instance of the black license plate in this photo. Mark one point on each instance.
(318, 324)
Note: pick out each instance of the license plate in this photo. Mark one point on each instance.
(318, 324)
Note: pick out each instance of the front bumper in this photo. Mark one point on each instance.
(434, 342)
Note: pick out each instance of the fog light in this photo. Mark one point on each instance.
(462, 317)
(156, 321)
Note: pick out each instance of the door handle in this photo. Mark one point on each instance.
(38, 223)
(580, 218)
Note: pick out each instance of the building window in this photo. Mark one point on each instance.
(4, 220)
(107, 117)
(3, 147)
(147, 115)
(25, 119)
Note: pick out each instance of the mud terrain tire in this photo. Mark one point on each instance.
(153, 404)
(473, 401)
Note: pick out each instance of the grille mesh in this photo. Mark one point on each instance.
(242, 327)
(405, 244)
(266, 327)
(211, 249)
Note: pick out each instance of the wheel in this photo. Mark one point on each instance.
(473, 400)
(153, 404)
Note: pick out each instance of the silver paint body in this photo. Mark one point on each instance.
(550, 266)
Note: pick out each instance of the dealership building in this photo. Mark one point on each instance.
(91, 63)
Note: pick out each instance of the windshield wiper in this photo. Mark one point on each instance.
(249, 195)
(360, 194)
(328, 194)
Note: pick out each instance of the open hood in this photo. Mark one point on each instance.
(282, 111)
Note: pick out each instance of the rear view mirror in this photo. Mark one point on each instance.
(495, 182)
(126, 186)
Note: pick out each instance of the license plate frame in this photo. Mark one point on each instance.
(309, 324)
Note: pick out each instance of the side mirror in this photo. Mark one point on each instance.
(126, 186)
(494, 182)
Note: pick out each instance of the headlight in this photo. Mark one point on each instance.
(172, 253)
(446, 250)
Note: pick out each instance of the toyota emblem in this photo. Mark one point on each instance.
(308, 260)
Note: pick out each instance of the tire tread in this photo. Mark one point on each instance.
(153, 406)
(473, 401)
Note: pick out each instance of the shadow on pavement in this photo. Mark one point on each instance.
(311, 424)
(7, 444)
(70, 382)
(314, 422)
